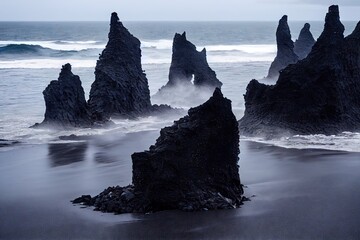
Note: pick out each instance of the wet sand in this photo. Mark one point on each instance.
(299, 194)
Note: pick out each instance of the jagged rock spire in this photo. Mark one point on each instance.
(192, 166)
(120, 87)
(285, 49)
(320, 94)
(65, 101)
(188, 62)
(305, 42)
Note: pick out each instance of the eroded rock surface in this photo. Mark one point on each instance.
(187, 63)
(303, 45)
(285, 49)
(65, 102)
(191, 80)
(320, 94)
(192, 166)
(121, 87)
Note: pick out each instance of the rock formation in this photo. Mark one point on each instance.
(187, 63)
(320, 94)
(120, 87)
(303, 45)
(192, 166)
(65, 102)
(285, 49)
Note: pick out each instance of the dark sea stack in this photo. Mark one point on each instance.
(191, 167)
(319, 94)
(120, 88)
(187, 63)
(285, 49)
(65, 102)
(303, 45)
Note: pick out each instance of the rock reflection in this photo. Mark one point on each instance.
(66, 153)
(104, 158)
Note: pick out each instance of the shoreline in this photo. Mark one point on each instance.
(297, 193)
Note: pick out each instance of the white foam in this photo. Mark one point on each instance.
(60, 45)
(346, 141)
(254, 49)
(163, 44)
(160, 44)
(46, 63)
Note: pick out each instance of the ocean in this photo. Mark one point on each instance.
(301, 187)
(32, 53)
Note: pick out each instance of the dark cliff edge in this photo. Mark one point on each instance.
(319, 94)
(192, 166)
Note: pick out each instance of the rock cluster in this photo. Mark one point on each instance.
(285, 49)
(305, 42)
(320, 94)
(192, 166)
(65, 102)
(120, 87)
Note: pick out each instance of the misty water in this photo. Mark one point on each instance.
(300, 186)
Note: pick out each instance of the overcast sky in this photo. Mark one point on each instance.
(174, 10)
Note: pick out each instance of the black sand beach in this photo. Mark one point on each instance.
(299, 194)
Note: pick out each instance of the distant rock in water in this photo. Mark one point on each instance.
(320, 94)
(120, 88)
(65, 102)
(192, 166)
(190, 76)
(187, 63)
(285, 49)
(303, 45)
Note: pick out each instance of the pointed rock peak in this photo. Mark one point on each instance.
(283, 30)
(306, 26)
(114, 18)
(356, 32)
(333, 26)
(203, 53)
(217, 93)
(284, 19)
(180, 37)
(65, 70)
(334, 9)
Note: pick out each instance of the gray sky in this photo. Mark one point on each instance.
(185, 10)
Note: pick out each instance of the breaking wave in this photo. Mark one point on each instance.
(346, 141)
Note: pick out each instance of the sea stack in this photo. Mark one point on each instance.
(320, 94)
(120, 88)
(191, 167)
(285, 49)
(187, 63)
(65, 102)
(303, 45)
(191, 80)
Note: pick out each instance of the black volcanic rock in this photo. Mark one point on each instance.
(192, 166)
(303, 45)
(320, 94)
(120, 88)
(285, 49)
(187, 63)
(65, 102)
